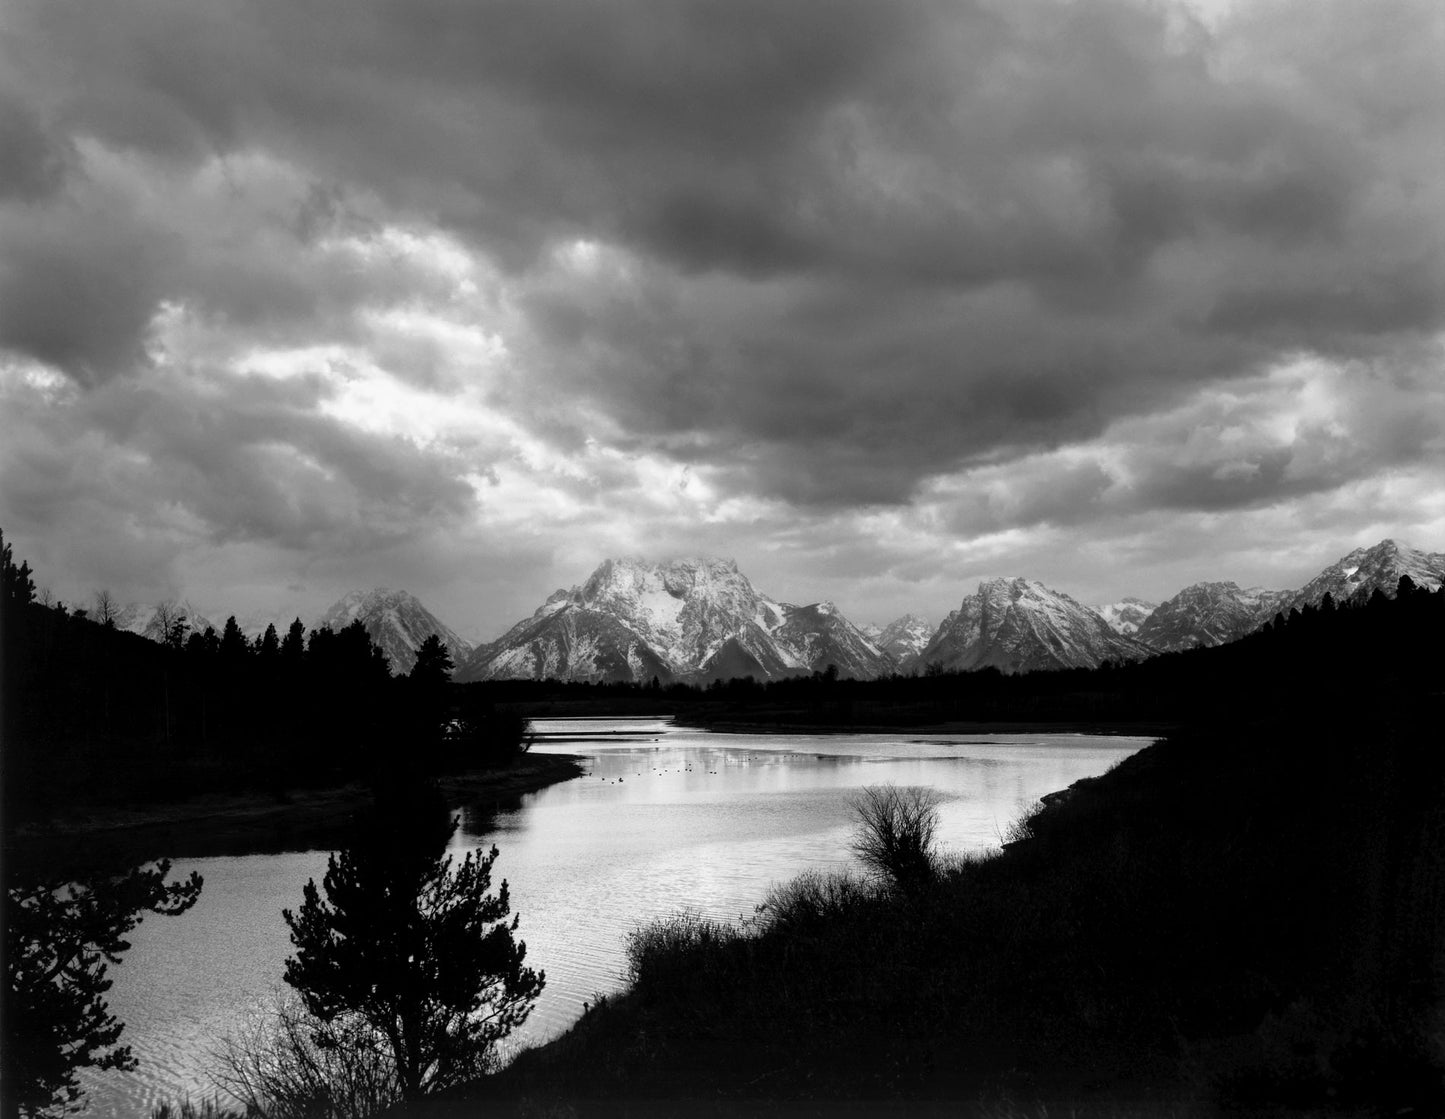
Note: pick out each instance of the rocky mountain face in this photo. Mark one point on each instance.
(396, 621)
(1208, 614)
(686, 619)
(902, 639)
(821, 636)
(1126, 615)
(1355, 577)
(149, 621)
(701, 619)
(1018, 625)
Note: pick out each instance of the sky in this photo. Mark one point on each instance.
(877, 298)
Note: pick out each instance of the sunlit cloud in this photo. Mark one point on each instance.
(879, 299)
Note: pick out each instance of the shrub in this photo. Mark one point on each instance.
(896, 827)
(288, 1064)
(670, 949)
(208, 1109)
(809, 901)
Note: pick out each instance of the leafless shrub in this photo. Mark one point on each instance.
(896, 827)
(287, 1064)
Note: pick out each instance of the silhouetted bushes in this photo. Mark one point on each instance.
(1252, 916)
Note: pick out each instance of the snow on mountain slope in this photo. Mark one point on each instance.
(1205, 614)
(149, 622)
(903, 639)
(1126, 615)
(396, 621)
(821, 636)
(1353, 578)
(1018, 625)
(683, 619)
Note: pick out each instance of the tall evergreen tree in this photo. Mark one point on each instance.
(293, 646)
(234, 647)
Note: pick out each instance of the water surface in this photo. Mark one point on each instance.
(667, 818)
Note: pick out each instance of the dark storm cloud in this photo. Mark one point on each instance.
(845, 246)
(215, 459)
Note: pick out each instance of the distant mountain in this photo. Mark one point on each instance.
(684, 619)
(396, 621)
(1126, 615)
(819, 636)
(903, 639)
(1355, 577)
(1208, 614)
(1018, 625)
(148, 622)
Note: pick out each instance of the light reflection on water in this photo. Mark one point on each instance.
(667, 818)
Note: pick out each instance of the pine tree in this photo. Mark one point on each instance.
(59, 938)
(434, 663)
(293, 647)
(417, 948)
(234, 646)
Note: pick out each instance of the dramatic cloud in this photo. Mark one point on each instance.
(877, 297)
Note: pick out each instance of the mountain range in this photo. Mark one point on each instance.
(1018, 625)
(701, 619)
(686, 619)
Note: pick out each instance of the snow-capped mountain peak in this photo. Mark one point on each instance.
(1205, 614)
(1126, 615)
(396, 621)
(1358, 575)
(1019, 625)
(149, 621)
(684, 618)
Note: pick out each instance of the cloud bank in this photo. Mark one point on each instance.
(878, 297)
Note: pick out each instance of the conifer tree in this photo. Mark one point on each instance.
(434, 663)
(417, 948)
(59, 938)
(293, 646)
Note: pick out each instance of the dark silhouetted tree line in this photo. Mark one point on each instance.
(92, 712)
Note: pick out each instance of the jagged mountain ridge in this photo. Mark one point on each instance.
(1205, 614)
(626, 622)
(1018, 625)
(1356, 576)
(147, 620)
(1126, 615)
(683, 619)
(903, 638)
(1213, 613)
(396, 621)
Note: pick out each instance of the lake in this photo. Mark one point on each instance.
(667, 818)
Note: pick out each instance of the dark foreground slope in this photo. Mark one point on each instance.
(1246, 915)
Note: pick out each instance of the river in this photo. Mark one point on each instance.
(667, 818)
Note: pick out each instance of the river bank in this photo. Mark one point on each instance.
(1201, 928)
(724, 724)
(247, 823)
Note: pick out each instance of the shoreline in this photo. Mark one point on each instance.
(955, 726)
(250, 823)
